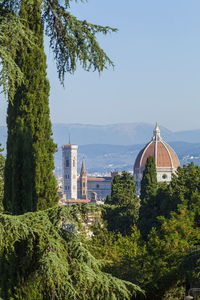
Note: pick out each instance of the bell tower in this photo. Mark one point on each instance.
(83, 181)
(69, 167)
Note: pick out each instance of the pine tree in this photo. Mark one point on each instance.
(42, 260)
(2, 164)
(30, 183)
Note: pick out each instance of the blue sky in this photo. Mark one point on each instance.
(157, 73)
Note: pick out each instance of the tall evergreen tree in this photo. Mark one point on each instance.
(149, 180)
(30, 184)
(122, 212)
(2, 164)
(123, 189)
(148, 209)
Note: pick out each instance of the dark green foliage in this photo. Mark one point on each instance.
(167, 247)
(11, 75)
(74, 40)
(2, 165)
(40, 260)
(164, 203)
(185, 186)
(30, 184)
(157, 263)
(122, 210)
(123, 190)
(166, 263)
(149, 180)
(148, 209)
(71, 40)
(29, 181)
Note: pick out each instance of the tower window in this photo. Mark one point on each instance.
(164, 176)
(97, 186)
(83, 184)
(74, 163)
(67, 163)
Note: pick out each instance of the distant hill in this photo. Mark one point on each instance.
(110, 147)
(114, 134)
(106, 158)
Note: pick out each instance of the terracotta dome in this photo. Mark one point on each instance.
(166, 159)
(163, 154)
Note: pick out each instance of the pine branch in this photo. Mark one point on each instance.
(13, 35)
(73, 40)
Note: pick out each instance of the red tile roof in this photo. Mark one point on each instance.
(164, 155)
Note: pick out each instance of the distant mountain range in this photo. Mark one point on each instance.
(110, 147)
(118, 134)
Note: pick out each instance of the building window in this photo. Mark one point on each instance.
(97, 186)
(67, 163)
(83, 184)
(164, 176)
(74, 163)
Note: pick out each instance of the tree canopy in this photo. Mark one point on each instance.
(148, 207)
(30, 184)
(42, 258)
(2, 165)
(149, 180)
(72, 40)
(123, 204)
(29, 180)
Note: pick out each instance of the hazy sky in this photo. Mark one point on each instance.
(157, 73)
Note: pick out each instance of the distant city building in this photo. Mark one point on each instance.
(82, 187)
(82, 183)
(93, 188)
(69, 168)
(166, 159)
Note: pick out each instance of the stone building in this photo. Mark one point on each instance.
(82, 183)
(83, 186)
(69, 168)
(94, 188)
(166, 159)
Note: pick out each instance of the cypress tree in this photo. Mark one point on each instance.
(149, 180)
(148, 208)
(30, 183)
(2, 164)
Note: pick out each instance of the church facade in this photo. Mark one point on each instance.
(165, 157)
(83, 186)
(93, 188)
